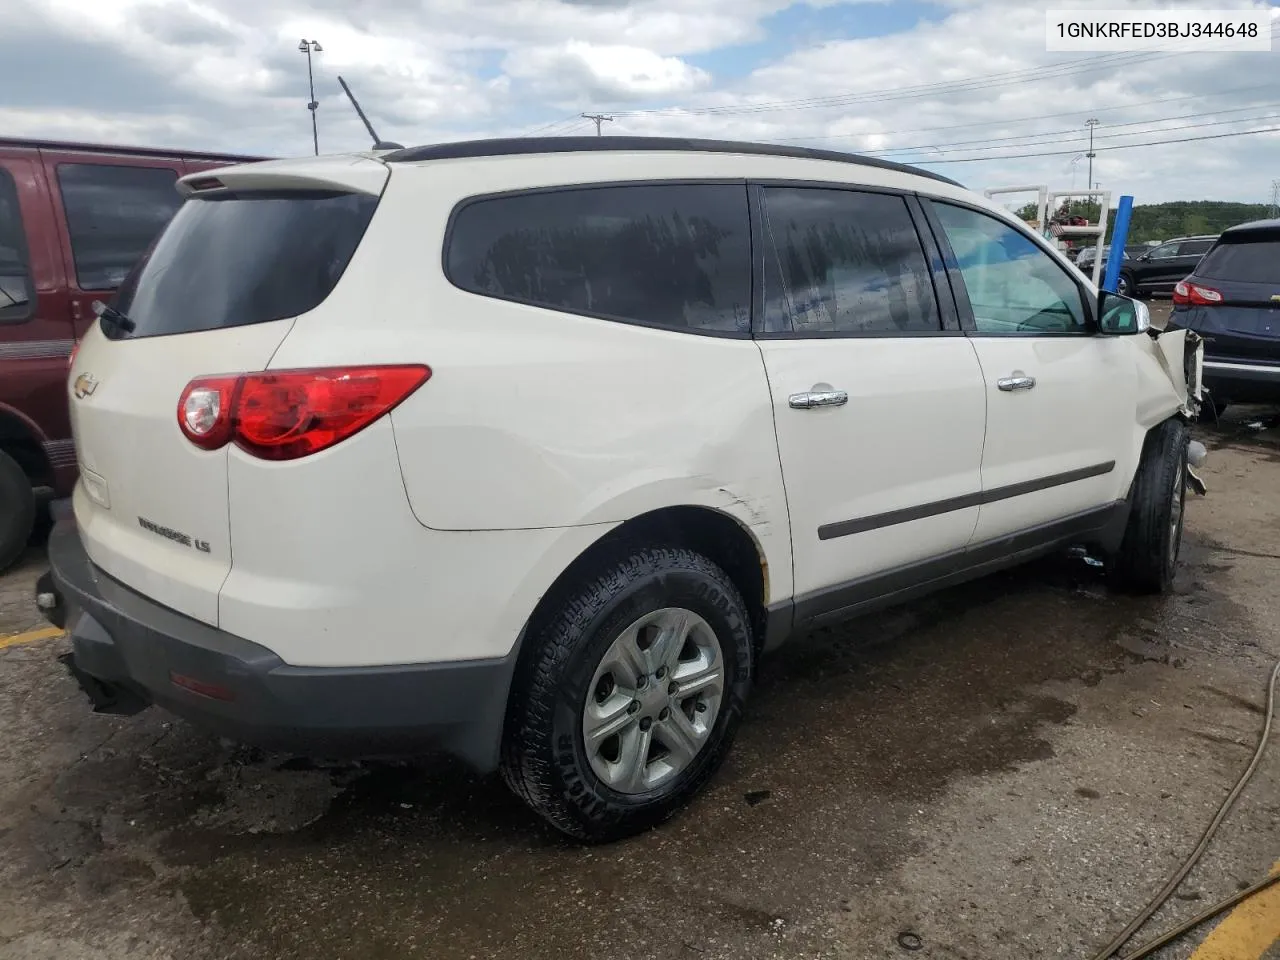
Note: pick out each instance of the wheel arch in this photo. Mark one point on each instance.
(716, 534)
(23, 440)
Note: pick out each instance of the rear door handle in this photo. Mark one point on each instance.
(818, 398)
(1019, 381)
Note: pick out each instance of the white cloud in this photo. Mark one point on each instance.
(582, 72)
(226, 74)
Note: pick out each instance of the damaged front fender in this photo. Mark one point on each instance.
(1174, 383)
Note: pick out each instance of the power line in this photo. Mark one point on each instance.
(1119, 146)
(554, 123)
(1075, 131)
(1011, 120)
(574, 126)
(962, 148)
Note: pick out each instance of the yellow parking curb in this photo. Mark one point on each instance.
(1247, 931)
(31, 636)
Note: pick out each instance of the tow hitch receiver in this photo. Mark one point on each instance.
(50, 601)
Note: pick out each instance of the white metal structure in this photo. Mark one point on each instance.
(1047, 201)
(1042, 201)
(388, 491)
(1097, 230)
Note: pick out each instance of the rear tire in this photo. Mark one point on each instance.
(587, 671)
(17, 510)
(1148, 555)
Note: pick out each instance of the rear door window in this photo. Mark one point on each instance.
(665, 255)
(229, 259)
(1193, 248)
(113, 214)
(1256, 261)
(843, 262)
(15, 275)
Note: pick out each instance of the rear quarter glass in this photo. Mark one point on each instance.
(233, 259)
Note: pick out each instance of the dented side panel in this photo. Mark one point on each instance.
(1181, 357)
(1169, 373)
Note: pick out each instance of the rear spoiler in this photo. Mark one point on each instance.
(348, 174)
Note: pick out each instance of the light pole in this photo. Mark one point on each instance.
(306, 46)
(1091, 123)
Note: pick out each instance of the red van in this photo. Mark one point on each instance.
(74, 218)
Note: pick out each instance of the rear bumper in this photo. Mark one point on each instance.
(1242, 382)
(128, 648)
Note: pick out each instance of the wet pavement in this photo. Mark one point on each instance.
(1008, 769)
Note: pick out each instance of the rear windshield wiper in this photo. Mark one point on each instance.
(114, 317)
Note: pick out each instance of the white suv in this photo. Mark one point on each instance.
(528, 449)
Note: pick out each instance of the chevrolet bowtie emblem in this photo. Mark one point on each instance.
(85, 385)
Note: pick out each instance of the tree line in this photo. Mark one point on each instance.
(1163, 221)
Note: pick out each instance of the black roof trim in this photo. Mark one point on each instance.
(120, 149)
(1253, 226)
(527, 145)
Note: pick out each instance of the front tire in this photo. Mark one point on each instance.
(629, 695)
(17, 510)
(1126, 287)
(1148, 555)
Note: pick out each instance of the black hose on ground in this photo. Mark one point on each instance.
(1167, 890)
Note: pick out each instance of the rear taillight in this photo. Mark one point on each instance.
(286, 414)
(204, 410)
(1187, 292)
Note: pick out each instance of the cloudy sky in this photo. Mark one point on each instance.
(934, 82)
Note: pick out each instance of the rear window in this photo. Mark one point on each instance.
(664, 255)
(113, 214)
(843, 262)
(1255, 261)
(233, 259)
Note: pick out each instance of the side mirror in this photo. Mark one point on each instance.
(1120, 316)
(1145, 257)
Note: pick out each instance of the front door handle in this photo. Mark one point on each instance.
(818, 398)
(1019, 381)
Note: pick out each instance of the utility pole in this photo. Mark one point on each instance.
(599, 118)
(306, 46)
(1275, 198)
(1091, 123)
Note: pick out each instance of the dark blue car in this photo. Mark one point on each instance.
(1232, 299)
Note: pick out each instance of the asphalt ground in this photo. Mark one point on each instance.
(1007, 769)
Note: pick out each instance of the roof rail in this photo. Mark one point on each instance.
(528, 145)
(118, 148)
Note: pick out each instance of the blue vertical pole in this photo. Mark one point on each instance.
(1119, 235)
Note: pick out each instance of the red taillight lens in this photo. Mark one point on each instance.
(293, 413)
(282, 415)
(1186, 292)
